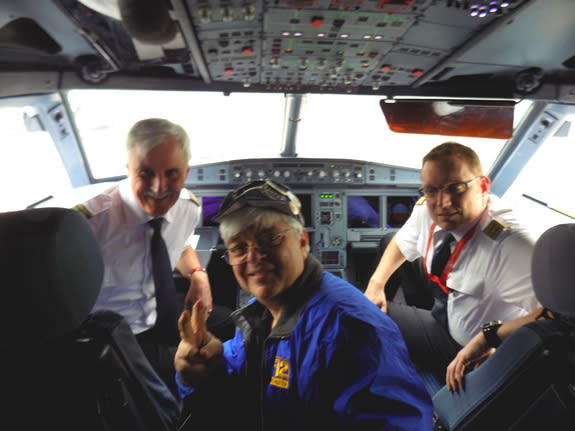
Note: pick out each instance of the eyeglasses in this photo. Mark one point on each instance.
(452, 189)
(238, 254)
(263, 194)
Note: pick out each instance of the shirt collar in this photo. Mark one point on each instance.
(439, 234)
(134, 213)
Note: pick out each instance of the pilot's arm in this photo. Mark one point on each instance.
(477, 350)
(391, 259)
(199, 282)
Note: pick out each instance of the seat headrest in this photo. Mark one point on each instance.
(51, 271)
(553, 269)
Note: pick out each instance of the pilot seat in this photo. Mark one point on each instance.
(63, 367)
(529, 382)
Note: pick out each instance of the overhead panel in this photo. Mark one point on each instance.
(340, 46)
(298, 45)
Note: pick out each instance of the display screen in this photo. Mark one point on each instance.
(399, 209)
(305, 200)
(363, 212)
(210, 207)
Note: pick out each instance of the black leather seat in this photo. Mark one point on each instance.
(528, 384)
(63, 367)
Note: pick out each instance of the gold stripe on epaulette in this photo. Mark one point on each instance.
(420, 201)
(81, 208)
(493, 229)
(194, 198)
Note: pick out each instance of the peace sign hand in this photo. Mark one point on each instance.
(199, 351)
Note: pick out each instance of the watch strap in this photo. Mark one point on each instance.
(489, 330)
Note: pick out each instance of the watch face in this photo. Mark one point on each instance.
(493, 323)
(489, 330)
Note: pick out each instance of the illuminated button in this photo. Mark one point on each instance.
(229, 70)
(385, 68)
(247, 50)
(317, 21)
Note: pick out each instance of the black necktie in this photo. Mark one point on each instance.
(166, 321)
(440, 258)
(441, 255)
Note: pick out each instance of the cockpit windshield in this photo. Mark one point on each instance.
(250, 125)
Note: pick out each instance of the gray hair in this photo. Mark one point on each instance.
(256, 218)
(146, 134)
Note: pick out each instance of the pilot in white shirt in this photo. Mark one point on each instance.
(490, 278)
(124, 236)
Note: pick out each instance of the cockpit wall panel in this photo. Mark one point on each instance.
(348, 205)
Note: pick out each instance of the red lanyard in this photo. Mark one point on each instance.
(451, 261)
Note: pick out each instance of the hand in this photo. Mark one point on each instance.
(199, 351)
(375, 292)
(199, 289)
(472, 355)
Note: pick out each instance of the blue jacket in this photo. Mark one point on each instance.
(334, 361)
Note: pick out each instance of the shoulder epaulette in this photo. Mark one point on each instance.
(420, 201)
(81, 208)
(194, 198)
(493, 229)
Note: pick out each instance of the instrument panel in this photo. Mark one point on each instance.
(348, 205)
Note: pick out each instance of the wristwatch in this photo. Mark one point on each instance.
(489, 330)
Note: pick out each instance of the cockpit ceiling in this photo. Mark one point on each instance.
(343, 46)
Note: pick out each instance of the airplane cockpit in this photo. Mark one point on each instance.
(338, 99)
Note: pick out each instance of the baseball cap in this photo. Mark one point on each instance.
(262, 194)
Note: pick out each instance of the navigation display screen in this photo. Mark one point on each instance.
(363, 212)
(399, 209)
(210, 206)
(305, 200)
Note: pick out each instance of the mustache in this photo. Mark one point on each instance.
(154, 195)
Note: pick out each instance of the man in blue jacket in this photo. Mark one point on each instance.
(310, 350)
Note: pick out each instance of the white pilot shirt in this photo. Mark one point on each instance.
(491, 278)
(121, 228)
